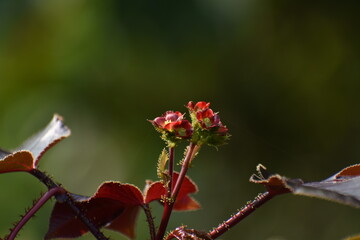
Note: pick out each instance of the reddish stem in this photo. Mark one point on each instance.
(168, 206)
(185, 166)
(66, 198)
(243, 213)
(150, 220)
(171, 169)
(44, 198)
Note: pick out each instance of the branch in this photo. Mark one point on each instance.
(243, 213)
(168, 206)
(44, 198)
(150, 220)
(171, 169)
(66, 198)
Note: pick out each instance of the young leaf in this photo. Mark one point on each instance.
(157, 191)
(343, 187)
(161, 166)
(114, 203)
(26, 157)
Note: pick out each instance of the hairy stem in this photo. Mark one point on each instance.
(168, 206)
(243, 213)
(150, 220)
(44, 198)
(171, 169)
(185, 166)
(66, 198)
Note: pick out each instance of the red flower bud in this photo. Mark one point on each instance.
(222, 130)
(182, 129)
(208, 119)
(166, 119)
(199, 106)
(172, 122)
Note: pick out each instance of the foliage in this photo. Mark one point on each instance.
(115, 205)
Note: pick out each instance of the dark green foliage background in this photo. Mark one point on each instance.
(284, 75)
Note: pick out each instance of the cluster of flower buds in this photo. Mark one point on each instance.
(206, 117)
(205, 126)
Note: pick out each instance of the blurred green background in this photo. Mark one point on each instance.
(284, 76)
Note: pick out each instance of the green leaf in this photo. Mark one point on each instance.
(161, 167)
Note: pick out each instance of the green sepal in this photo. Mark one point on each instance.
(210, 137)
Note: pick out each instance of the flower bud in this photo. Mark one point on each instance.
(173, 127)
(207, 126)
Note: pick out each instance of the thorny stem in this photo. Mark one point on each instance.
(194, 152)
(171, 169)
(168, 206)
(45, 179)
(185, 166)
(243, 213)
(44, 198)
(66, 198)
(150, 220)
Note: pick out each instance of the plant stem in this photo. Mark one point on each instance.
(243, 213)
(90, 225)
(44, 198)
(171, 169)
(194, 152)
(45, 179)
(185, 166)
(168, 206)
(66, 198)
(150, 220)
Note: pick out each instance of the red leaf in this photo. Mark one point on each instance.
(131, 197)
(351, 171)
(127, 194)
(115, 206)
(27, 156)
(113, 203)
(184, 202)
(18, 161)
(64, 223)
(154, 192)
(125, 222)
(3, 153)
(274, 183)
